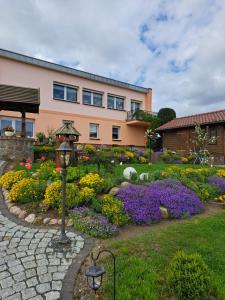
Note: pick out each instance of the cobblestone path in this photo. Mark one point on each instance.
(30, 267)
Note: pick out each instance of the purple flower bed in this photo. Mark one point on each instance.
(142, 203)
(217, 181)
(88, 221)
(177, 198)
(139, 205)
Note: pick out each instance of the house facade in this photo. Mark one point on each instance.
(102, 109)
(178, 134)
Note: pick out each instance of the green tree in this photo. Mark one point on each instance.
(166, 114)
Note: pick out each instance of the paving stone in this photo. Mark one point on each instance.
(54, 261)
(3, 268)
(32, 282)
(6, 292)
(17, 287)
(20, 254)
(28, 293)
(42, 262)
(27, 258)
(6, 282)
(57, 285)
(16, 296)
(45, 278)
(52, 295)
(29, 264)
(16, 269)
(4, 275)
(42, 270)
(43, 288)
(25, 242)
(13, 263)
(38, 297)
(58, 276)
(31, 273)
(19, 277)
(52, 269)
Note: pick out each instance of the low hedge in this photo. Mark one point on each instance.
(47, 151)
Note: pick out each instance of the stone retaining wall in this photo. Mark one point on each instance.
(16, 148)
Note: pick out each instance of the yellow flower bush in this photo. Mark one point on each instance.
(221, 172)
(86, 194)
(220, 198)
(10, 178)
(53, 195)
(92, 180)
(142, 159)
(129, 155)
(113, 209)
(89, 149)
(27, 190)
(184, 159)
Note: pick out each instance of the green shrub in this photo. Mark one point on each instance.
(10, 178)
(27, 190)
(53, 195)
(48, 151)
(189, 277)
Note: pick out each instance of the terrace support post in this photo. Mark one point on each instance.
(23, 124)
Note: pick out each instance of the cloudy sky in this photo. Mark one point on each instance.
(176, 47)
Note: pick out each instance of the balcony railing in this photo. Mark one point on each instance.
(139, 115)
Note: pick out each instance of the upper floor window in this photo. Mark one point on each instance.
(16, 124)
(135, 105)
(64, 92)
(115, 102)
(92, 98)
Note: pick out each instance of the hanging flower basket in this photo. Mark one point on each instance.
(8, 131)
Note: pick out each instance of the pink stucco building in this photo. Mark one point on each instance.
(101, 108)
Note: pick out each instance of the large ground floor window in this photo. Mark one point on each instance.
(16, 124)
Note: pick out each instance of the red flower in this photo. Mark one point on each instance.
(28, 166)
(28, 161)
(58, 170)
(43, 158)
(21, 164)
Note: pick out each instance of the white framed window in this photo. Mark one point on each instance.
(92, 98)
(135, 105)
(16, 124)
(93, 131)
(115, 102)
(64, 92)
(115, 132)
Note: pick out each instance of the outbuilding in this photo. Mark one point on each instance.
(177, 134)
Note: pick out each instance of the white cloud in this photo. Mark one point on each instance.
(175, 47)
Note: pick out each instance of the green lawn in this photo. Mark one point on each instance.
(141, 262)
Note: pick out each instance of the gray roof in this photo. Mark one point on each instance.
(68, 70)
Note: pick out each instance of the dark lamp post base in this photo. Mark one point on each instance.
(61, 240)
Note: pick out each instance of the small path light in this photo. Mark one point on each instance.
(64, 151)
(95, 273)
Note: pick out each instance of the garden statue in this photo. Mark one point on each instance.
(129, 172)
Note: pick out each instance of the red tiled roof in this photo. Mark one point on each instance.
(189, 121)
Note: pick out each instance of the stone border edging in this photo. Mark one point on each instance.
(69, 281)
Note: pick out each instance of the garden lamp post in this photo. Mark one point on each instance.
(95, 273)
(64, 152)
(67, 132)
